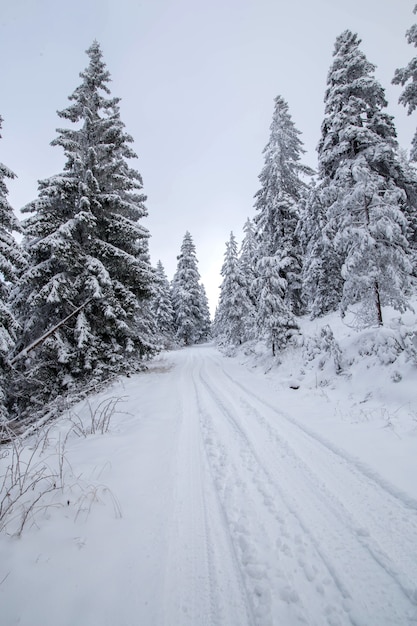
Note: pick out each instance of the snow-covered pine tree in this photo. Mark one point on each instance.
(321, 262)
(371, 232)
(12, 261)
(277, 203)
(274, 321)
(248, 250)
(162, 309)
(233, 308)
(248, 253)
(359, 172)
(248, 260)
(408, 182)
(408, 76)
(205, 327)
(186, 295)
(354, 111)
(87, 245)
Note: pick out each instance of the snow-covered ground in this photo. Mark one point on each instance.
(226, 491)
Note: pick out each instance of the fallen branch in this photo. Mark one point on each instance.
(48, 333)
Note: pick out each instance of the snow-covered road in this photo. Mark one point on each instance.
(234, 513)
(273, 526)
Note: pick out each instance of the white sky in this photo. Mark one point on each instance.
(197, 81)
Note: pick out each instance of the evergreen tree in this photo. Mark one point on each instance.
(275, 322)
(355, 121)
(161, 306)
(277, 202)
(407, 78)
(409, 184)
(248, 251)
(86, 245)
(205, 327)
(321, 262)
(233, 308)
(12, 262)
(409, 75)
(248, 254)
(248, 260)
(360, 175)
(371, 234)
(187, 295)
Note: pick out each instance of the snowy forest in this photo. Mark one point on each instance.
(81, 302)
(164, 463)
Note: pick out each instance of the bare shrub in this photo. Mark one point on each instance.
(99, 417)
(33, 469)
(24, 483)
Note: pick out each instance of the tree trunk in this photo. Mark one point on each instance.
(378, 304)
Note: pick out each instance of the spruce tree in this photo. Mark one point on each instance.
(277, 202)
(205, 326)
(321, 262)
(274, 321)
(409, 184)
(12, 262)
(359, 171)
(408, 76)
(371, 232)
(248, 251)
(248, 260)
(161, 307)
(233, 308)
(87, 246)
(187, 295)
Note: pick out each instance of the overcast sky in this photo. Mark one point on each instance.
(197, 81)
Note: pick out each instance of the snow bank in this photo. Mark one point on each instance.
(355, 387)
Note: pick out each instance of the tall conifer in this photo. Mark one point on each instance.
(190, 312)
(407, 78)
(360, 176)
(277, 203)
(12, 262)
(87, 246)
(233, 308)
(161, 306)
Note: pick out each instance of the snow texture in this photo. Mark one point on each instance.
(230, 491)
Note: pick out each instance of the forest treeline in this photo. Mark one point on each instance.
(83, 267)
(80, 301)
(341, 238)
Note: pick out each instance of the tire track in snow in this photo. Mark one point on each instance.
(367, 472)
(388, 602)
(366, 511)
(202, 583)
(221, 513)
(369, 505)
(274, 562)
